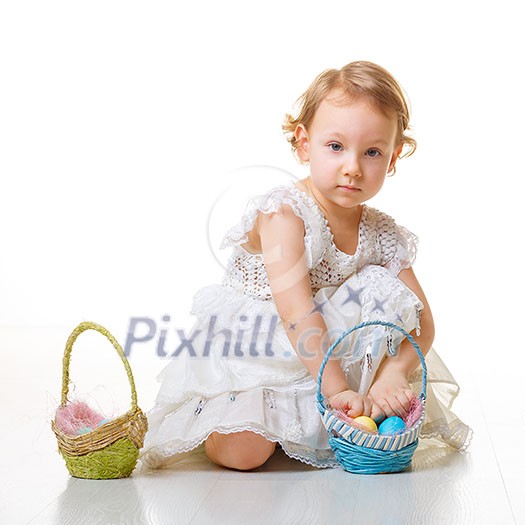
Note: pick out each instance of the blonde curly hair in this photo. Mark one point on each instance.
(355, 80)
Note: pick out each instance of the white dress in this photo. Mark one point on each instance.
(242, 373)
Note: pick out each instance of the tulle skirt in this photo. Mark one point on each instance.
(242, 373)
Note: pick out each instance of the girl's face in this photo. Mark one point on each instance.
(350, 147)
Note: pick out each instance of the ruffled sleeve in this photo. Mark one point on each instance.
(404, 250)
(270, 203)
(396, 247)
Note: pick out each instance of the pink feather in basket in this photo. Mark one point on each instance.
(77, 416)
(414, 412)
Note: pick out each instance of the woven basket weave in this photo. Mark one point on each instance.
(110, 450)
(363, 452)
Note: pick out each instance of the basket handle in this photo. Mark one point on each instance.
(82, 327)
(423, 395)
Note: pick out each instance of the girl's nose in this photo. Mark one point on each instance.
(351, 166)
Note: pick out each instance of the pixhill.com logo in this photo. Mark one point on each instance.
(253, 337)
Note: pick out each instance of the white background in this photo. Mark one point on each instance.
(123, 123)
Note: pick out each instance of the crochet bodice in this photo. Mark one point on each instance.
(381, 241)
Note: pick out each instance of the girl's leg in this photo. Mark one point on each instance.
(239, 450)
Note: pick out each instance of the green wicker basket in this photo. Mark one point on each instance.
(111, 450)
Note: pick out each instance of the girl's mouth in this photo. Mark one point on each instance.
(349, 188)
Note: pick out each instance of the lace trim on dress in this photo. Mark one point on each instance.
(456, 434)
(156, 456)
(335, 266)
(397, 246)
(326, 232)
(381, 242)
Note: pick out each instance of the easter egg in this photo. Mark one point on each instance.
(367, 422)
(103, 422)
(84, 430)
(391, 426)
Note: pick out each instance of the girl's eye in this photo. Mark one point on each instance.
(373, 153)
(335, 147)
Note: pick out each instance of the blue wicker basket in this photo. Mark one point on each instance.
(363, 452)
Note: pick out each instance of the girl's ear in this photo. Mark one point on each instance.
(393, 160)
(302, 142)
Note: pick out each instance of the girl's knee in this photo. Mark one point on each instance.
(240, 450)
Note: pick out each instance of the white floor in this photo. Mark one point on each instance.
(481, 486)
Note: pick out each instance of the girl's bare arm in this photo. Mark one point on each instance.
(282, 243)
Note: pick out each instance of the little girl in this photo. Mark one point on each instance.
(310, 259)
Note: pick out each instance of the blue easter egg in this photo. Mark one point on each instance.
(391, 426)
(103, 422)
(84, 430)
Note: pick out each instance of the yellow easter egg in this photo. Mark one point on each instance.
(367, 422)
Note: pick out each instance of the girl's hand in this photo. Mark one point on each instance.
(391, 393)
(353, 404)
